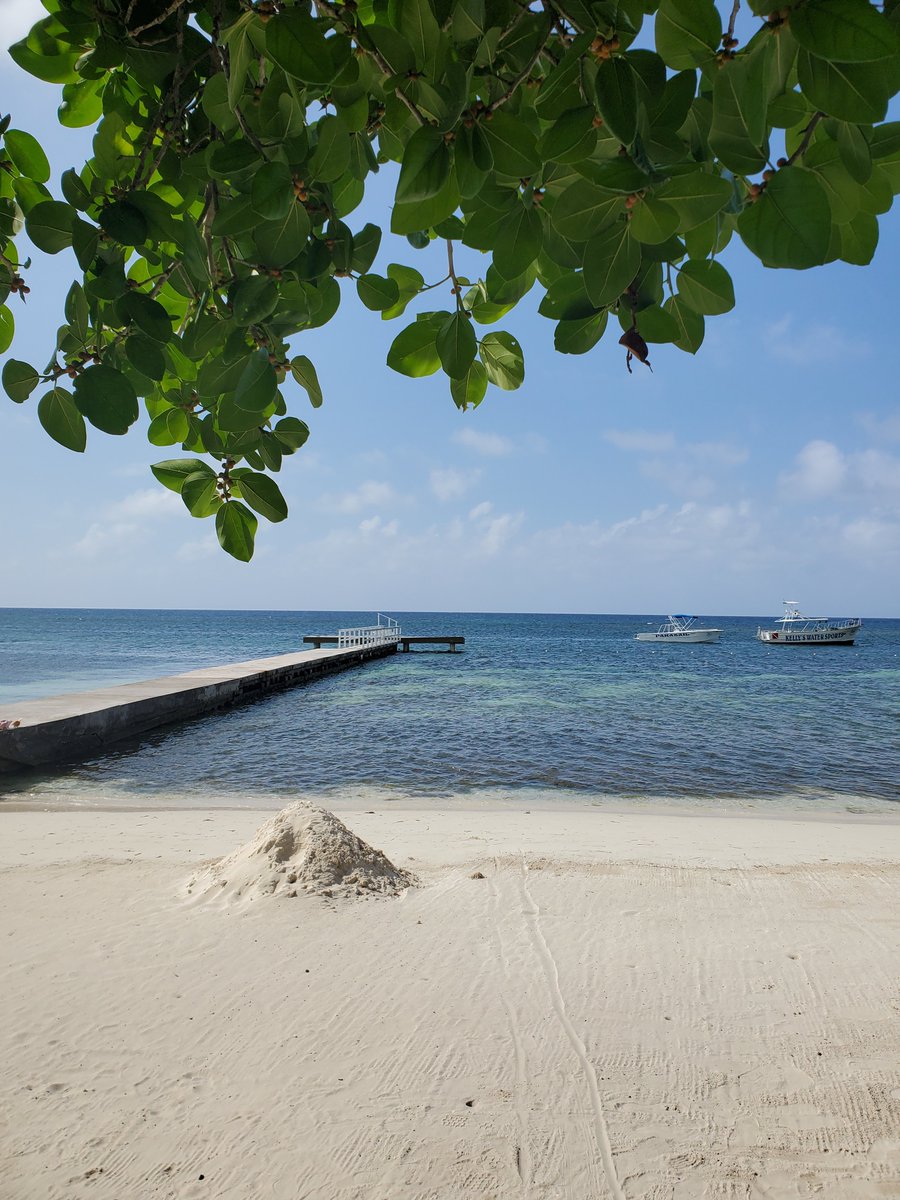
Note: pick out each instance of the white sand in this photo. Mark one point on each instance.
(654, 1006)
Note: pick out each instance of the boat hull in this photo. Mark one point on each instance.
(826, 637)
(690, 635)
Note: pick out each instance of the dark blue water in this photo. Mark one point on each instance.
(535, 709)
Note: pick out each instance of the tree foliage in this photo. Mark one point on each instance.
(603, 151)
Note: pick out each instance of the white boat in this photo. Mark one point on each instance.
(680, 628)
(795, 629)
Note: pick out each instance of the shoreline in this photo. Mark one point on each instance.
(582, 1003)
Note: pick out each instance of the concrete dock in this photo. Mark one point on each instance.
(70, 727)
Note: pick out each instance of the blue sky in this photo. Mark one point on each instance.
(767, 466)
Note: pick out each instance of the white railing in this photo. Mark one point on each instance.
(386, 630)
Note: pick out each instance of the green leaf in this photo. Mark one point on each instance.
(331, 156)
(240, 53)
(653, 221)
(253, 299)
(7, 328)
(688, 32)
(790, 224)
(787, 110)
(620, 174)
(583, 210)
(291, 433)
(425, 167)
(174, 471)
(218, 376)
(691, 326)
(107, 399)
(148, 314)
(62, 420)
(304, 373)
(854, 151)
(611, 261)
(581, 335)
(617, 99)
(854, 92)
(503, 360)
(145, 356)
(52, 67)
(264, 496)
(279, 242)
(377, 293)
(469, 391)
(272, 193)
(26, 154)
(124, 223)
(706, 287)
(519, 242)
(414, 350)
(257, 385)
(365, 248)
(410, 217)
(843, 31)
(696, 197)
(654, 324)
(297, 43)
(200, 494)
(512, 144)
(236, 525)
(457, 345)
(19, 379)
(49, 225)
(169, 428)
(738, 133)
(571, 137)
(859, 239)
(567, 299)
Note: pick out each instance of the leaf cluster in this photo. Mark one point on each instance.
(234, 140)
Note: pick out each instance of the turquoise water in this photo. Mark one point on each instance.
(536, 709)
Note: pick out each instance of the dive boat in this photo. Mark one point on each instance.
(797, 630)
(680, 628)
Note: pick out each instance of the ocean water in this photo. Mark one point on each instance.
(537, 709)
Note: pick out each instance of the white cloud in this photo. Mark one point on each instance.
(480, 510)
(371, 494)
(820, 471)
(684, 468)
(499, 531)
(491, 445)
(207, 547)
(680, 477)
(878, 473)
(449, 484)
(372, 525)
(640, 440)
(126, 522)
(881, 428)
(103, 538)
(812, 345)
(149, 502)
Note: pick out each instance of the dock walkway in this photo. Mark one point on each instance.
(76, 726)
(452, 643)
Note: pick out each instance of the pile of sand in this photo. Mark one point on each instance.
(302, 849)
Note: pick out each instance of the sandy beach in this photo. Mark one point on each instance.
(579, 1004)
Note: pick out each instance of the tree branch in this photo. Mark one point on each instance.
(522, 76)
(807, 138)
(377, 57)
(157, 20)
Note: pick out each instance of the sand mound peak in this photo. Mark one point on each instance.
(302, 849)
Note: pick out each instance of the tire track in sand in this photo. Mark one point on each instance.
(532, 912)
